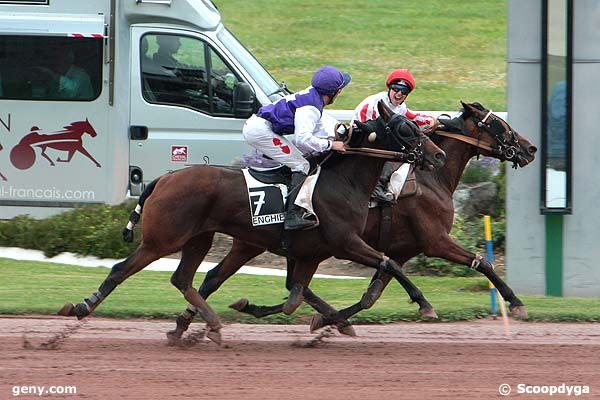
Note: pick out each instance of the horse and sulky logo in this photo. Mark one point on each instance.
(179, 153)
(23, 156)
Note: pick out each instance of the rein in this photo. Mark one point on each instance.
(377, 153)
(467, 139)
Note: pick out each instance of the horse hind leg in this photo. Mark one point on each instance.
(239, 254)
(193, 252)
(140, 258)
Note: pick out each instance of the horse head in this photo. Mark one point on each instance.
(495, 137)
(81, 127)
(395, 132)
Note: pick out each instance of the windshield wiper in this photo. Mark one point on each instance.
(281, 89)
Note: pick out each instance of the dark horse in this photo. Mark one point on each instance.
(419, 224)
(216, 200)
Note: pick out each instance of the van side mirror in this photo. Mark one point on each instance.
(243, 100)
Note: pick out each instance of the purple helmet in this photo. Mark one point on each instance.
(329, 80)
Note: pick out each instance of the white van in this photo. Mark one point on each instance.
(99, 97)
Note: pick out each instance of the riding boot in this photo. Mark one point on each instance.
(296, 217)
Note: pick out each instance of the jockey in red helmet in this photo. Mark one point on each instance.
(400, 83)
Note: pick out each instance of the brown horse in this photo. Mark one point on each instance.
(216, 200)
(419, 224)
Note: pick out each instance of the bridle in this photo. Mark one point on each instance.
(505, 144)
(412, 150)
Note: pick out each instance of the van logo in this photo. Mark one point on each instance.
(22, 156)
(179, 153)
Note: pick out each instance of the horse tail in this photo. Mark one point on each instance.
(135, 215)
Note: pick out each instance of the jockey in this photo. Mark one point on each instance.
(300, 114)
(400, 83)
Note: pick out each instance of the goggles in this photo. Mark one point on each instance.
(401, 87)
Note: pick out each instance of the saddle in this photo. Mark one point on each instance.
(272, 176)
(411, 186)
(456, 124)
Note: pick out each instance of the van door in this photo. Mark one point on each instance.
(182, 104)
(53, 111)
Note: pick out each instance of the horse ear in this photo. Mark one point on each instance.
(385, 112)
(467, 108)
(365, 127)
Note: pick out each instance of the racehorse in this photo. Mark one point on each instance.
(70, 140)
(418, 224)
(183, 210)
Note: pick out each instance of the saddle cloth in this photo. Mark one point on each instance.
(267, 198)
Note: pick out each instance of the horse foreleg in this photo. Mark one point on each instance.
(87, 154)
(328, 315)
(142, 256)
(448, 249)
(294, 300)
(302, 273)
(340, 318)
(516, 306)
(239, 254)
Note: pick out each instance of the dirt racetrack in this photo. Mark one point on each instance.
(124, 359)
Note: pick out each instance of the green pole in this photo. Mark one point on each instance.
(554, 254)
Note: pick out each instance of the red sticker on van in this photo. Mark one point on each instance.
(179, 153)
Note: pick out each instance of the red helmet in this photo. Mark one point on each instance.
(400, 74)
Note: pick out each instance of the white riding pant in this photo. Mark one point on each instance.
(258, 133)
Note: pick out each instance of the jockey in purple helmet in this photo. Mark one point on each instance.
(299, 114)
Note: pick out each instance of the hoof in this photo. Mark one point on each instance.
(347, 330)
(214, 335)
(372, 294)
(428, 313)
(81, 311)
(317, 322)
(239, 305)
(68, 310)
(174, 338)
(518, 312)
(294, 300)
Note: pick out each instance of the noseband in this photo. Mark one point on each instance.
(506, 149)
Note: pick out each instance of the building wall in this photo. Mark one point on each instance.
(526, 234)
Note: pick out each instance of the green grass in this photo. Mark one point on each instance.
(455, 50)
(42, 288)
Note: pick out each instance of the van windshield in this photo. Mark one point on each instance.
(267, 83)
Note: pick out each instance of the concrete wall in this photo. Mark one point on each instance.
(526, 240)
(581, 268)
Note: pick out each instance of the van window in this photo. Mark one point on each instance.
(185, 71)
(50, 68)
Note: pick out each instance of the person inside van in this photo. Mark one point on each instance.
(299, 114)
(168, 46)
(64, 81)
